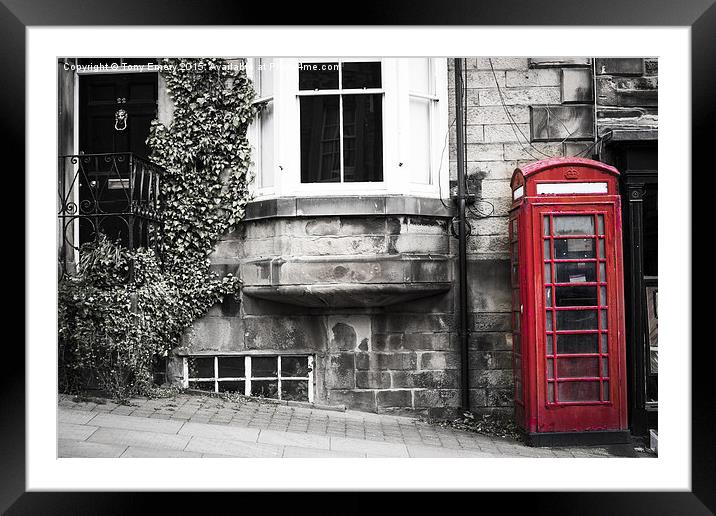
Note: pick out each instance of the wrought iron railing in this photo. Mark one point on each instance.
(112, 194)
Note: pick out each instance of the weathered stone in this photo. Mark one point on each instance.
(559, 123)
(478, 398)
(484, 152)
(359, 400)
(392, 361)
(533, 77)
(284, 333)
(505, 133)
(484, 79)
(489, 322)
(620, 66)
(339, 372)
(546, 62)
(494, 378)
(439, 360)
(500, 397)
(413, 323)
(531, 152)
(489, 285)
(372, 380)
(500, 63)
(520, 96)
(446, 379)
(216, 333)
(430, 398)
(627, 91)
(393, 398)
(488, 341)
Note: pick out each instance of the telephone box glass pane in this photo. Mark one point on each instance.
(568, 225)
(605, 391)
(548, 296)
(546, 225)
(604, 319)
(605, 366)
(578, 391)
(548, 320)
(577, 320)
(550, 392)
(600, 224)
(547, 273)
(601, 248)
(574, 248)
(605, 343)
(576, 296)
(547, 250)
(575, 272)
(603, 295)
(602, 272)
(550, 345)
(550, 369)
(578, 343)
(578, 367)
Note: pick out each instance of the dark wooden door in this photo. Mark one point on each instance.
(101, 96)
(105, 184)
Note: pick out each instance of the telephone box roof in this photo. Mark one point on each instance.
(544, 164)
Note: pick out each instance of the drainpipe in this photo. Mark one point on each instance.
(462, 236)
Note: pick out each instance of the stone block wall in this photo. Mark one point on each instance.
(520, 110)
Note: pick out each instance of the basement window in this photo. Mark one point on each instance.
(282, 377)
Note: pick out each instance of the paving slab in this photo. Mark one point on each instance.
(294, 439)
(371, 448)
(80, 417)
(140, 438)
(154, 453)
(426, 452)
(307, 453)
(234, 448)
(191, 428)
(69, 448)
(74, 431)
(165, 426)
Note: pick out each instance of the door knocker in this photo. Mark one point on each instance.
(120, 120)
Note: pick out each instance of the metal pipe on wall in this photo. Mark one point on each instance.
(462, 236)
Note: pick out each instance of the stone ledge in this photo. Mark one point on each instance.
(346, 205)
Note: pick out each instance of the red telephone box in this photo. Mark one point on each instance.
(568, 303)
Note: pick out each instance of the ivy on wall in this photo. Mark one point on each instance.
(114, 329)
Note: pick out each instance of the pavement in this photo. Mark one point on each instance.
(186, 425)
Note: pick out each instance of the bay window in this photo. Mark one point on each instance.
(350, 126)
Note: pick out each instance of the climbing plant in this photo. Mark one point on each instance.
(115, 328)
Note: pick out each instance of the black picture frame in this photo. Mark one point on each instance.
(700, 15)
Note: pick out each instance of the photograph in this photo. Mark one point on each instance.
(357, 257)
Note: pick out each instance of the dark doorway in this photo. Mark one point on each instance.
(115, 114)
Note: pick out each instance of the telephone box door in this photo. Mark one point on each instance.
(578, 317)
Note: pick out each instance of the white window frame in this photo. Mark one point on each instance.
(395, 79)
(248, 377)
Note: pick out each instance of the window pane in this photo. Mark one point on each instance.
(264, 367)
(265, 388)
(573, 225)
(201, 367)
(202, 386)
(580, 367)
(605, 391)
(318, 76)
(548, 296)
(603, 295)
(294, 390)
(600, 224)
(231, 367)
(577, 320)
(578, 391)
(602, 272)
(546, 224)
(605, 343)
(419, 140)
(575, 272)
(362, 138)
(580, 343)
(576, 296)
(605, 366)
(573, 248)
(548, 320)
(320, 140)
(550, 369)
(547, 273)
(604, 319)
(547, 250)
(550, 392)
(601, 248)
(419, 75)
(232, 386)
(550, 346)
(361, 75)
(294, 366)
(266, 145)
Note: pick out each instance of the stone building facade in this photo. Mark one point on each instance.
(354, 284)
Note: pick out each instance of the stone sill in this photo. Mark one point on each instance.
(346, 205)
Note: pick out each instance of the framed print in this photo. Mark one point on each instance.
(436, 237)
